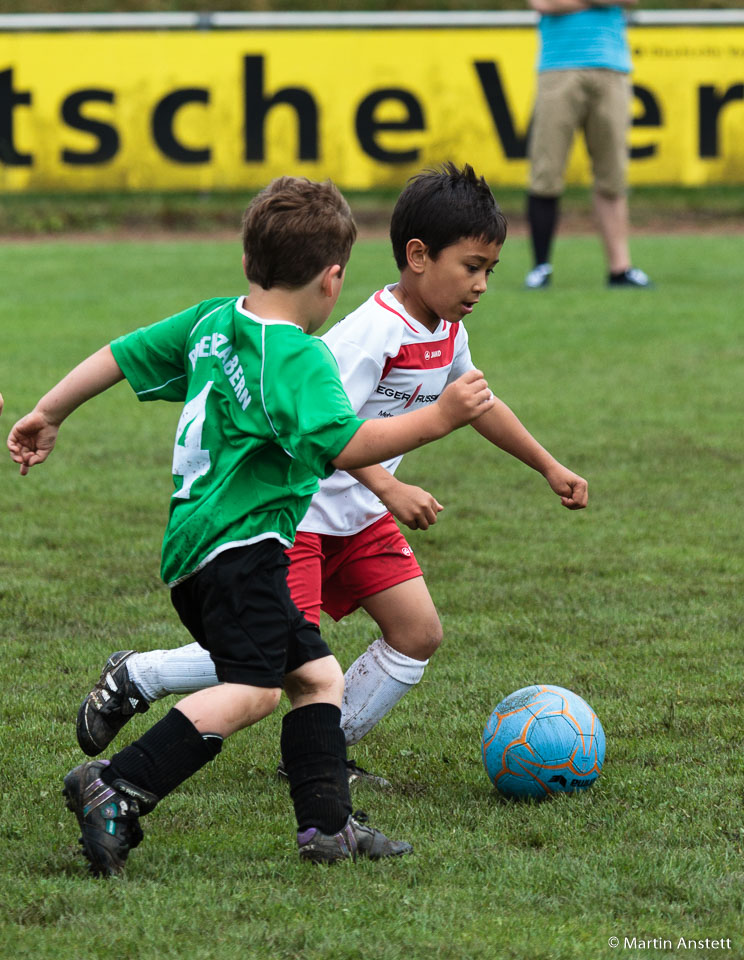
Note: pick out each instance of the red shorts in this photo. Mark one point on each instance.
(336, 573)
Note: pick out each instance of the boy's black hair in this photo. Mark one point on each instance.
(440, 207)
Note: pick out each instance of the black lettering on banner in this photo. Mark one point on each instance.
(710, 105)
(257, 106)
(9, 100)
(651, 117)
(162, 125)
(514, 144)
(367, 127)
(108, 138)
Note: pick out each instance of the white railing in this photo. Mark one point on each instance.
(44, 22)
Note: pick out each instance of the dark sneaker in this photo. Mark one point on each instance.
(539, 277)
(109, 706)
(632, 277)
(355, 839)
(108, 816)
(356, 775)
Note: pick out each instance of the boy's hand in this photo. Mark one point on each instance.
(570, 487)
(466, 399)
(411, 505)
(31, 440)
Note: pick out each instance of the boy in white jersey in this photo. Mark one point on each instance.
(396, 353)
(264, 416)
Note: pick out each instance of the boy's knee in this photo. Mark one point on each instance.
(419, 643)
(269, 700)
(428, 643)
(318, 680)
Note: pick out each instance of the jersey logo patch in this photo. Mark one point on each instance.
(423, 356)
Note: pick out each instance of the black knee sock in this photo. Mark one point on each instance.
(542, 214)
(314, 755)
(169, 753)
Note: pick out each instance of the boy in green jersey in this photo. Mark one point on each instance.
(264, 416)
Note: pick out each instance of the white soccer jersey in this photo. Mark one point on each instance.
(389, 364)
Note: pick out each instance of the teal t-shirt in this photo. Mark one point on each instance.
(588, 39)
(264, 415)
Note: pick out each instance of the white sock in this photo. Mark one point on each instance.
(373, 684)
(160, 672)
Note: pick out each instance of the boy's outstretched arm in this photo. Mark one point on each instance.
(503, 428)
(32, 439)
(376, 440)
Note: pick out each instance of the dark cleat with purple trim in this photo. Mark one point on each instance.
(355, 839)
(108, 816)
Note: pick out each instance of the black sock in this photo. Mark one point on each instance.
(314, 755)
(542, 214)
(166, 755)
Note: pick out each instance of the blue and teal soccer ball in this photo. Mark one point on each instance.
(543, 740)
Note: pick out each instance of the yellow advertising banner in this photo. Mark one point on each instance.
(150, 110)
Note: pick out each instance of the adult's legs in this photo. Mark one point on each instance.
(606, 133)
(558, 109)
(542, 217)
(612, 221)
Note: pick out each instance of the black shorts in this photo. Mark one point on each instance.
(238, 608)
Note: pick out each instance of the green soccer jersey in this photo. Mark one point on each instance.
(264, 415)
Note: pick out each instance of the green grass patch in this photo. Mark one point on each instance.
(635, 603)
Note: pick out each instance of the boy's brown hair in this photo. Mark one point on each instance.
(293, 229)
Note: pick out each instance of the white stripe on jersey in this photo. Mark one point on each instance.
(263, 397)
(389, 364)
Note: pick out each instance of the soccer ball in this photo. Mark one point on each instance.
(543, 740)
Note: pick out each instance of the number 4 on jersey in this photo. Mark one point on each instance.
(190, 461)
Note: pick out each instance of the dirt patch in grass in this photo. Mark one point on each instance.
(375, 228)
(153, 219)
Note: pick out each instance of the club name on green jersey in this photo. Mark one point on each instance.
(217, 345)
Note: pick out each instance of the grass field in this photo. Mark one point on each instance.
(635, 603)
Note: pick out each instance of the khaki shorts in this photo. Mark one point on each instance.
(595, 101)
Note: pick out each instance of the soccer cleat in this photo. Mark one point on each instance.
(356, 775)
(355, 839)
(632, 277)
(538, 277)
(360, 775)
(109, 706)
(108, 816)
